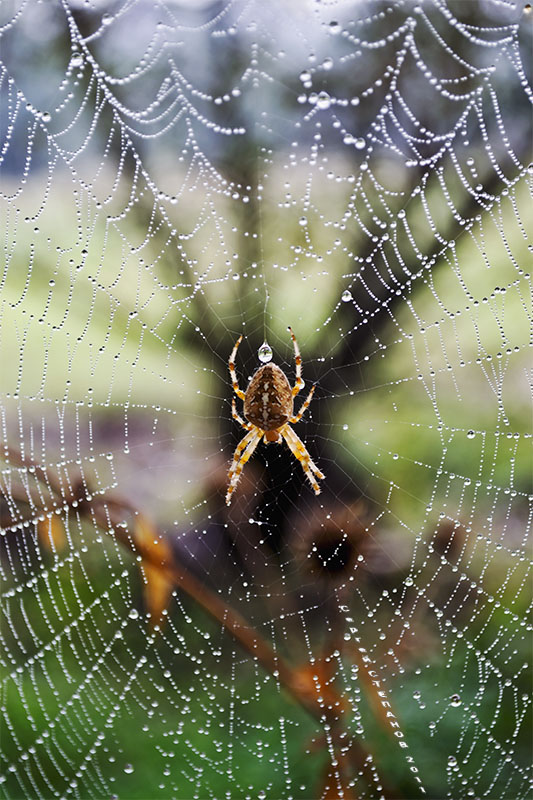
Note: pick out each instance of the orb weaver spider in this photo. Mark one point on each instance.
(268, 405)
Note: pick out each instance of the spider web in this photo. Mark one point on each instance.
(175, 175)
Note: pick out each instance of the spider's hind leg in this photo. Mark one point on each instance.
(235, 414)
(233, 374)
(298, 360)
(305, 405)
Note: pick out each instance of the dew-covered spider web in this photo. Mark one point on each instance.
(175, 174)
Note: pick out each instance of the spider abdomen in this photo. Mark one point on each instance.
(268, 402)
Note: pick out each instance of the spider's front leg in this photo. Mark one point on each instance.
(299, 450)
(243, 444)
(248, 444)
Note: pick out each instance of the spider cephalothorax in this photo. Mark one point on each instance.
(268, 407)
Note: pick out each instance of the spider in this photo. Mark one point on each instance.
(268, 407)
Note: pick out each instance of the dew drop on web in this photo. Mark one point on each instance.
(455, 700)
(265, 353)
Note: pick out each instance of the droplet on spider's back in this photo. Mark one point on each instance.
(264, 353)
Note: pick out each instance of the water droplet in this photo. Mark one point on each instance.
(416, 695)
(76, 60)
(346, 296)
(323, 100)
(51, 282)
(46, 116)
(470, 434)
(455, 700)
(360, 144)
(334, 27)
(107, 19)
(305, 76)
(345, 427)
(408, 581)
(128, 768)
(264, 353)
(327, 63)
(133, 613)
(302, 221)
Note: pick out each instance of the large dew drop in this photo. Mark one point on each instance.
(323, 100)
(455, 700)
(265, 353)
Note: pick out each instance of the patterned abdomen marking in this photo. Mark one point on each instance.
(268, 402)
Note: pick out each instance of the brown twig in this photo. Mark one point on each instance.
(107, 511)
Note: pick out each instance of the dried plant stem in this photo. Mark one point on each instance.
(107, 511)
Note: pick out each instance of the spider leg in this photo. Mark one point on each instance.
(301, 448)
(298, 359)
(305, 405)
(243, 444)
(246, 425)
(235, 464)
(298, 449)
(248, 444)
(233, 374)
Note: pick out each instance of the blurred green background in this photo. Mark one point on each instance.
(141, 240)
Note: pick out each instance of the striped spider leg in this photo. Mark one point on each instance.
(299, 450)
